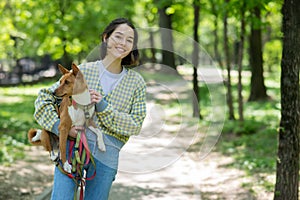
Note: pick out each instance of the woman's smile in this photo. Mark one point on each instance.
(121, 40)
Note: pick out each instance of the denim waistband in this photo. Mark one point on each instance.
(113, 146)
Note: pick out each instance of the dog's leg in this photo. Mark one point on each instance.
(45, 139)
(42, 138)
(63, 136)
(62, 148)
(100, 141)
(53, 156)
(64, 128)
(54, 140)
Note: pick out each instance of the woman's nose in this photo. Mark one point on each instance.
(122, 41)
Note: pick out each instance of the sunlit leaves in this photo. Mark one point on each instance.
(272, 53)
(47, 27)
(51, 27)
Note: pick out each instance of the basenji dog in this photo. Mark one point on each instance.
(76, 112)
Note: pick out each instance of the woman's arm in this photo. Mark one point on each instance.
(45, 112)
(124, 123)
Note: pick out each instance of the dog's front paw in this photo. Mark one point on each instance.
(67, 167)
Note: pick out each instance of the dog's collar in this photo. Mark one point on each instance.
(81, 106)
(85, 108)
(83, 98)
(83, 102)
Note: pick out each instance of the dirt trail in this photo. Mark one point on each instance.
(155, 165)
(24, 179)
(187, 178)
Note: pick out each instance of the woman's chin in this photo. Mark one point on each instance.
(120, 55)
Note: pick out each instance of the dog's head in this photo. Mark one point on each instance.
(72, 82)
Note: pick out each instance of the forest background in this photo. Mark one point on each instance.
(243, 39)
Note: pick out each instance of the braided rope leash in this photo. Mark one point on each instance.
(82, 156)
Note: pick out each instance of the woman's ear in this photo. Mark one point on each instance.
(104, 38)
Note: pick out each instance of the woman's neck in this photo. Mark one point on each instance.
(112, 65)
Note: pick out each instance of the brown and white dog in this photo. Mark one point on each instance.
(71, 114)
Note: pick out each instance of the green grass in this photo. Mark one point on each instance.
(253, 143)
(253, 146)
(16, 118)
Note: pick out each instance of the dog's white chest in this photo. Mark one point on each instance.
(77, 115)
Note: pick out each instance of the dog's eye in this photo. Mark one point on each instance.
(67, 82)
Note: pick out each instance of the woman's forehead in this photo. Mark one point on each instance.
(124, 29)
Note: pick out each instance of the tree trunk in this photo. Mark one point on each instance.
(195, 59)
(258, 89)
(287, 174)
(239, 63)
(152, 48)
(215, 33)
(66, 58)
(228, 66)
(165, 23)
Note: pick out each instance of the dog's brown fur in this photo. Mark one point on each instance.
(48, 140)
(65, 90)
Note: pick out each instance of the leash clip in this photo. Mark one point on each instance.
(87, 114)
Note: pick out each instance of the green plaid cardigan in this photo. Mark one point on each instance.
(120, 113)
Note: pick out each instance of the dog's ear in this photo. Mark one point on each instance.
(79, 84)
(62, 69)
(75, 69)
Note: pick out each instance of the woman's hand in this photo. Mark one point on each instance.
(74, 131)
(95, 96)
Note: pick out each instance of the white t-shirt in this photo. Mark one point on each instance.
(109, 80)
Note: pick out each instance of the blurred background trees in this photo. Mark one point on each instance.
(67, 30)
(241, 36)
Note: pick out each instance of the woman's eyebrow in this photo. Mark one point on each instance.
(120, 33)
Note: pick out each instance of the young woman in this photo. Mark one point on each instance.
(119, 94)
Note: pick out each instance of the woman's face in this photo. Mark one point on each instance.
(120, 42)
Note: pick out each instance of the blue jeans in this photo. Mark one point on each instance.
(96, 188)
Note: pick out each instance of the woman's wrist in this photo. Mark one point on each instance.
(100, 107)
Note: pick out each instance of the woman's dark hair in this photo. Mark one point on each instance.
(132, 58)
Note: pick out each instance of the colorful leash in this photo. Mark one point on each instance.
(82, 156)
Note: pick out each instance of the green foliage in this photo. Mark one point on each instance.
(272, 54)
(16, 118)
(59, 28)
(242, 128)
(254, 153)
(11, 149)
(55, 27)
(253, 143)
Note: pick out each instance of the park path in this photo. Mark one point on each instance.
(162, 163)
(167, 165)
(186, 178)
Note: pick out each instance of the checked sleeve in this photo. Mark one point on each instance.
(123, 123)
(45, 113)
